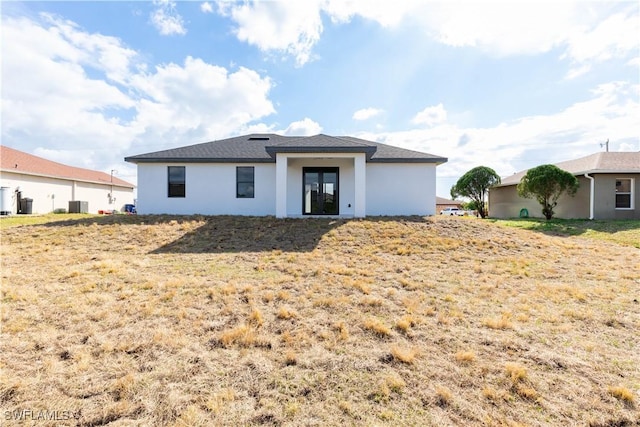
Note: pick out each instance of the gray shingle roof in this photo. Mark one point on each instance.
(261, 148)
(321, 144)
(603, 162)
(249, 148)
(389, 153)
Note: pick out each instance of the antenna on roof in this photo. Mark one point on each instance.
(603, 144)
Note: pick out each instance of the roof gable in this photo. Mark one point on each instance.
(321, 144)
(262, 148)
(15, 161)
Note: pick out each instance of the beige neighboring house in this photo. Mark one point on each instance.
(31, 184)
(442, 203)
(608, 190)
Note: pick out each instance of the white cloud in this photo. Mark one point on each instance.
(576, 131)
(165, 18)
(618, 36)
(304, 127)
(584, 32)
(200, 100)
(502, 28)
(292, 27)
(384, 12)
(578, 71)
(71, 94)
(367, 113)
(431, 116)
(206, 7)
(49, 97)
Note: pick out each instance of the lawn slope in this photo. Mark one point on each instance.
(136, 320)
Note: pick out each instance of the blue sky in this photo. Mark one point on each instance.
(508, 85)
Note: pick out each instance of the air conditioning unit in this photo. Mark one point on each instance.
(77, 206)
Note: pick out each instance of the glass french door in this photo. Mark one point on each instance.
(320, 192)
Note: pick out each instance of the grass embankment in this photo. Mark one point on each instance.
(17, 220)
(626, 232)
(234, 321)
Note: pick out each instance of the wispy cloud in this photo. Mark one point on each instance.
(611, 113)
(166, 19)
(584, 34)
(206, 7)
(431, 116)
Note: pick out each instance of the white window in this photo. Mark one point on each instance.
(624, 193)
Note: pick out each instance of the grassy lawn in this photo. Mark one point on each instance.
(16, 220)
(161, 320)
(626, 232)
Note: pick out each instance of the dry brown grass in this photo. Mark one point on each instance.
(256, 321)
(404, 355)
(465, 356)
(622, 393)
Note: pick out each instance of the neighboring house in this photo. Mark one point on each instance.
(608, 190)
(442, 203)
(268, 174)
(51, 186)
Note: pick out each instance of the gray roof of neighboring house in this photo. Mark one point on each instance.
(261, 148)
(604, 162)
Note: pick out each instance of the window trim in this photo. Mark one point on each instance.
(252, 182)
(181, 194)
(631, 194)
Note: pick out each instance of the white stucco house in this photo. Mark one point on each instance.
(286, 176)
(50, 186)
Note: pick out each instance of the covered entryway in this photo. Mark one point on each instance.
(331, 172)
(331, 185)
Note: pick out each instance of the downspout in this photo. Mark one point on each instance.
(591, 195)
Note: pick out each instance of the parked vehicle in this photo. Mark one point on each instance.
(452, 211)
(129, 209)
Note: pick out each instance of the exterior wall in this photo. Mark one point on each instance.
(605, 196)
(576, 206)
(504, 202)
(391, 188)
(210, 190)
(49, 194)
(346, 186)
(401, 189)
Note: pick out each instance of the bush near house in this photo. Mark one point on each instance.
(546, 184)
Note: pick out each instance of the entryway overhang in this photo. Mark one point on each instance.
(286, 173)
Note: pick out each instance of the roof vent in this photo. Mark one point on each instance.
(258, 138)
